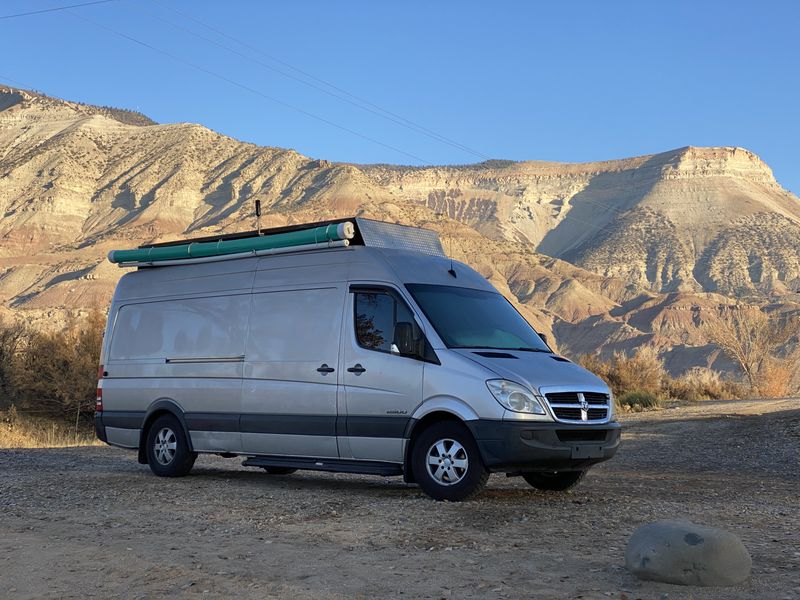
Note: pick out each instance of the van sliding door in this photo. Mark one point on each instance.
(291, 372)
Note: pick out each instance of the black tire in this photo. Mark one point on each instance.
(458, 446)
(560, 481)
(279, 470)
(167, 448)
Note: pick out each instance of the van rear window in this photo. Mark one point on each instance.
(191, 328)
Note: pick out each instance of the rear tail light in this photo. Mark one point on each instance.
(98, 407)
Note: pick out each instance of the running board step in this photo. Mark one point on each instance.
(337, 465)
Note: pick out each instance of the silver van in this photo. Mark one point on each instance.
(366, 351)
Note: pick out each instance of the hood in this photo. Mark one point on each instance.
(535, 369)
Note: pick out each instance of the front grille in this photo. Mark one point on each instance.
(568, 414)
(579, 407)
(563, 398)
(595, 398)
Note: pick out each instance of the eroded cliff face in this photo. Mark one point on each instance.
(655, 220)
(587, 251)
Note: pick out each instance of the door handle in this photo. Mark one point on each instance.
(325, 369)
(357, 369)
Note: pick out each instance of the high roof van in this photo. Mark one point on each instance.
(353, 346)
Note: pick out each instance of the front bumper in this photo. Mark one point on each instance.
(532, 446)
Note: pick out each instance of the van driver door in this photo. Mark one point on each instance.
(382, 371)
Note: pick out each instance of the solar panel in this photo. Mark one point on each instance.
(379, 234)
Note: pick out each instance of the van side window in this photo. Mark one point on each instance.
(384, 324)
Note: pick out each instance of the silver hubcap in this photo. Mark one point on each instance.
(447, 462)
(165, 446)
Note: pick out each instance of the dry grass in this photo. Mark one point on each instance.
(640, 382)
(25, 431)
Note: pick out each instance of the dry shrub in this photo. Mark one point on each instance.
(11, 340)
(642, 372)
(56, 373)
(701, 384)
(638, 401)
(754, 339)
(641, 382)
(18, 430)
(774, 379)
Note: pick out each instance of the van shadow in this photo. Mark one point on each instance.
(313, 481)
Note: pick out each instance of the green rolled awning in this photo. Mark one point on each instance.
(316, 235)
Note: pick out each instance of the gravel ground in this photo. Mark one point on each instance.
(90, 522)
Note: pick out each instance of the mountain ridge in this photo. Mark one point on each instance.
(607, 255)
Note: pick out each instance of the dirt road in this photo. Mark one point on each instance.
(91, 522)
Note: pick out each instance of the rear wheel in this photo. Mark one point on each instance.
(167, 448)
(279, 470)
(559, 481)
(447, 464)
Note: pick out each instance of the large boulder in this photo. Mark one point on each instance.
(687, 554)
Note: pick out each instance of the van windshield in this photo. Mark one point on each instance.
(466, 318)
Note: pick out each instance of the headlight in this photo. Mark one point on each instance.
(515, 397)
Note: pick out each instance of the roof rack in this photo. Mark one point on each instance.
(336, 233)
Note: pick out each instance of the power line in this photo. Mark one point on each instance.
(377, 109)
(248, 88)
(271, 98)
(54, 9)
(339, 93)
(19, 83)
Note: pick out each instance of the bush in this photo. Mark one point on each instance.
(52, 373)
(638, 401)
(774, 379)
(701, 384)
(644, 374)
(18, 430)
(11, 340)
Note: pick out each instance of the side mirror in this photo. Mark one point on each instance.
(543, 338)
(404, 338)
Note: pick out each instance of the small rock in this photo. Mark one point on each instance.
(683, 553)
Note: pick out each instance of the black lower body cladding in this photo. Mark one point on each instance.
(533, 446)
(99, 428)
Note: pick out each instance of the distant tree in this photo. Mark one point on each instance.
(756, 340)
(12, 338)
(369, 336)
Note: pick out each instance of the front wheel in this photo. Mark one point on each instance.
(559, 481)
(167, 448)
(447, 464)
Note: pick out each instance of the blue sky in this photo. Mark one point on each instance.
(565, 81)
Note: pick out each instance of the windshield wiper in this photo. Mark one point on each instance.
(520, 349)
(530, 350)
